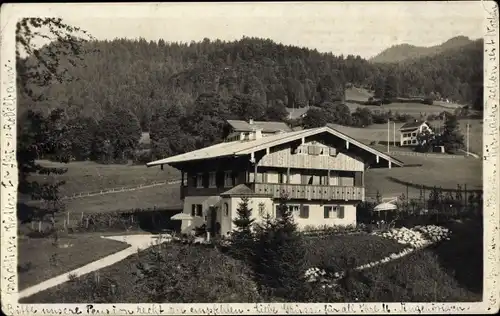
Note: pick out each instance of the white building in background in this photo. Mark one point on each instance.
(409, 132)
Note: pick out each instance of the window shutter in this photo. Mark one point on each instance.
(303, 179)
(304, 211)
(326, 212)
(341, 212)
(193, 210)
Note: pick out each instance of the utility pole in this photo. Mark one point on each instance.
(388, 134)
(467, 137)
(394, 132)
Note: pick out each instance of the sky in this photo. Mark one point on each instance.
(356, 28)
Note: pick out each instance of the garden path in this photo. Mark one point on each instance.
(136, 242)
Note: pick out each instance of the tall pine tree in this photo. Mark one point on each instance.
(242, 238)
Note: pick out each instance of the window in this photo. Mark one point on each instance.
(330, 211)
(282, 178)
(333, 152)
(228, 179)
(294, 208)
(199, 210)
(323, 180)
(413, 134)
(212, 180)
(414, 141)
(226, 209)
(304, 211)
(199, 180)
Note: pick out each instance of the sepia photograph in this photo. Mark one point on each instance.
(249, 153)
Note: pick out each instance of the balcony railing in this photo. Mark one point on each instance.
(311, 192)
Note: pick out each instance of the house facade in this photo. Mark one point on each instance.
(409, 131)
(320, 170)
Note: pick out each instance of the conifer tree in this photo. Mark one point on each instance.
(280, 250)
(242, 237)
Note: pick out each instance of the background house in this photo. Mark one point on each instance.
(409, 131)
(321, 170)
(243, 130)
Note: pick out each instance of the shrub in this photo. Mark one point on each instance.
(180, 273)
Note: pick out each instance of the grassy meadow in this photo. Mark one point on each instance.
(85, 176)
(42, 258)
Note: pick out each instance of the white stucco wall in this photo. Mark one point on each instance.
(316, 213)
(205, 201)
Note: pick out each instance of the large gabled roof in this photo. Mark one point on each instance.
(266, 127)
(241, 148)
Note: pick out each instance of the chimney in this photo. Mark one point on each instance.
(250, 121)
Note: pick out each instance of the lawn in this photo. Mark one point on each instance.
(40, 259)
(418, 277)
(330, 250)
(450, 271)
(85, 176)
(362, 95)
(440, 172)
(162, 196)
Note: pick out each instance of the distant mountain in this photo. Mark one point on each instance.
(402, 52)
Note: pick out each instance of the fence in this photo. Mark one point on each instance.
(150, 219)
(432, 155)
(433, 205)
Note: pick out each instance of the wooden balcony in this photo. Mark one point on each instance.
(311, 192)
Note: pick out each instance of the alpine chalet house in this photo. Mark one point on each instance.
(242, 130)
(320, 169)
(409, 132)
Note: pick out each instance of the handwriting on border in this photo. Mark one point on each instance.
(9, 195)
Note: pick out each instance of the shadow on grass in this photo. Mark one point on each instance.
(462, 255)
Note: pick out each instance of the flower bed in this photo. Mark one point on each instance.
(321, 231)
(418, 236)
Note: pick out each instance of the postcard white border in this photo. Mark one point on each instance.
(10, 13)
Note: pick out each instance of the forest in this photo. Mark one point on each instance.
(183, 92)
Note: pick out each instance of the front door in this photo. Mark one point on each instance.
(213, 220)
